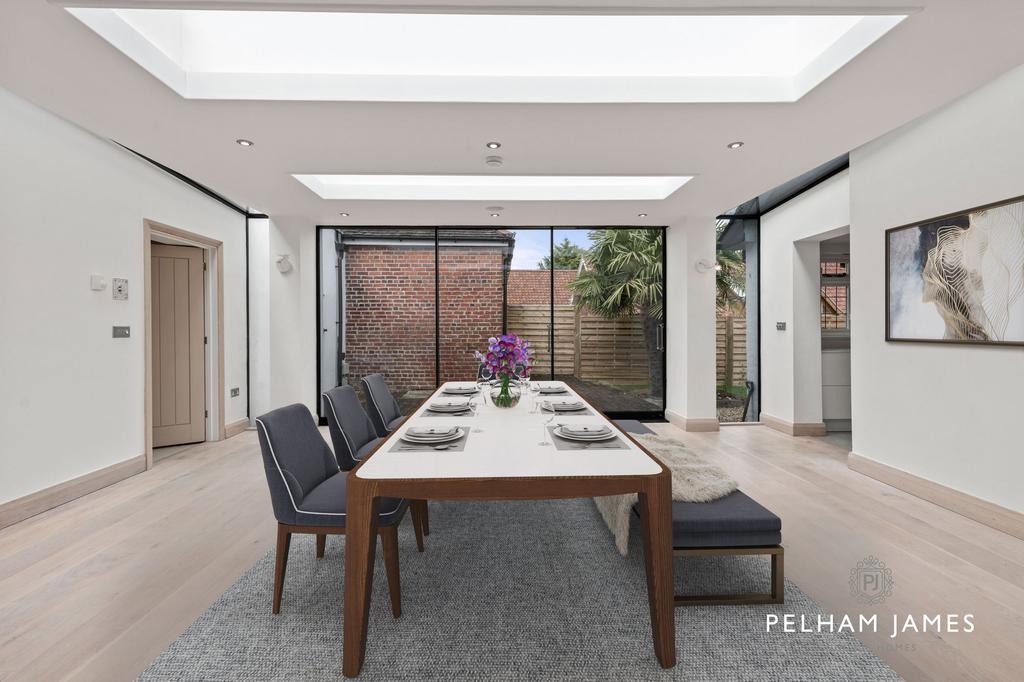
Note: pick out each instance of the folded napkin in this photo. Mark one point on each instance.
(428, 431)
(583, 429)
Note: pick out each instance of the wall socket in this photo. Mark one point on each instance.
(234, 393)
(781, 326)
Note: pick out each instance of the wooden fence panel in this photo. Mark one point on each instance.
(731, 344)
(586, 346)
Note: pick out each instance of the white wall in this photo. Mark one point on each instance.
(260, 265)
(790, 293)
(690, 322)
(951, 414)
(71, 205)
(293, 315)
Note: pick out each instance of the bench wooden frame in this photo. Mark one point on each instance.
(777, 595)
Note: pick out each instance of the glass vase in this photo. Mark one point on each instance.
(505, 395)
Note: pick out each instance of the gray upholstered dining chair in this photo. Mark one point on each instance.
(381, 405)
(354, 437)
(308, 493)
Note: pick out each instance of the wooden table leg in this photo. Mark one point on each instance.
(360, 551)
(656, 519)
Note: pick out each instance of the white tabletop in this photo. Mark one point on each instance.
(506, 443)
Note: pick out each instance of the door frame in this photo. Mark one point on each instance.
(213, 251)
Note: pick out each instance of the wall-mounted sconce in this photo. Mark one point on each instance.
(703, 265)
(284, 263)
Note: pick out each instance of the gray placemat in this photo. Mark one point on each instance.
(453, 445)
(566, 444)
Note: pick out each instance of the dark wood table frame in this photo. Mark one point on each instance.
(655, 497)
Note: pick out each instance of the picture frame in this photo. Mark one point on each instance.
(957, 278)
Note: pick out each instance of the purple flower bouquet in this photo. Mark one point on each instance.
(507, 356)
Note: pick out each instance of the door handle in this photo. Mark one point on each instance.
(661, 337)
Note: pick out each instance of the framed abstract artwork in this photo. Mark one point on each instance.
(958, 278)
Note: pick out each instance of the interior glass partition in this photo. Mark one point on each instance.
(415, 303)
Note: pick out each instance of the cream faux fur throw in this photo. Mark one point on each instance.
(693, 480)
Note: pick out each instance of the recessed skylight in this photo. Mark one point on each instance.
(493, 187)
(214, 54)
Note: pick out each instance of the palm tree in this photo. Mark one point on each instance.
(730, 281)
(621, 276)
(730, 276)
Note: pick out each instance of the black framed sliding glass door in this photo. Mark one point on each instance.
(608, 314)
(414, 303)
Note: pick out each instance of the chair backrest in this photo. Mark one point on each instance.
(295, 457)
(350, 427)
(381, 405)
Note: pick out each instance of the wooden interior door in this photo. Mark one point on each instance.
(179, 365)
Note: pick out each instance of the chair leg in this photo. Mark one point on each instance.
(284, 542)
(321, 545)
(389, 543)
(418, 510)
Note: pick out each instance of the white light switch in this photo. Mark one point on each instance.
(97, 282)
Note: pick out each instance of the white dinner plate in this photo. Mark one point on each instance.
(459, 390)
(450, 404)
(579, 437)
(439, 437)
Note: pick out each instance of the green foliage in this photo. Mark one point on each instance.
(622, 274)
(567, 256)
(730, 276)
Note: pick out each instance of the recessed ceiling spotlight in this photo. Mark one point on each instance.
(495, 215)
(495, 209)
(641, 215)
(493, 145)
(494, 161)
(244, 142)
(343, 215)
(735, 145)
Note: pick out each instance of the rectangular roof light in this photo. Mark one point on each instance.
(355, 56)
(493, 187)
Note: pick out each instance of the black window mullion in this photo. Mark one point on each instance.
(437, 309)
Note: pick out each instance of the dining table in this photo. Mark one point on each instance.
(507, 453)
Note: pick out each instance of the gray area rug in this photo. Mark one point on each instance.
(507, 591)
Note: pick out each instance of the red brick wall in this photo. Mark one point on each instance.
(389, 312)
(471, 302)
(389, 315)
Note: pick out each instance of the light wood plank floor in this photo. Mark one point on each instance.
(95, 589)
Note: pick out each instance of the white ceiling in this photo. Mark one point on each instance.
(944, 49)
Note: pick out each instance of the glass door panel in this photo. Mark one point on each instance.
(385, 322)
(609, 317)
(528, 302)
(473, 268)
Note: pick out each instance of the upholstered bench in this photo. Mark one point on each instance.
(734, 525)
